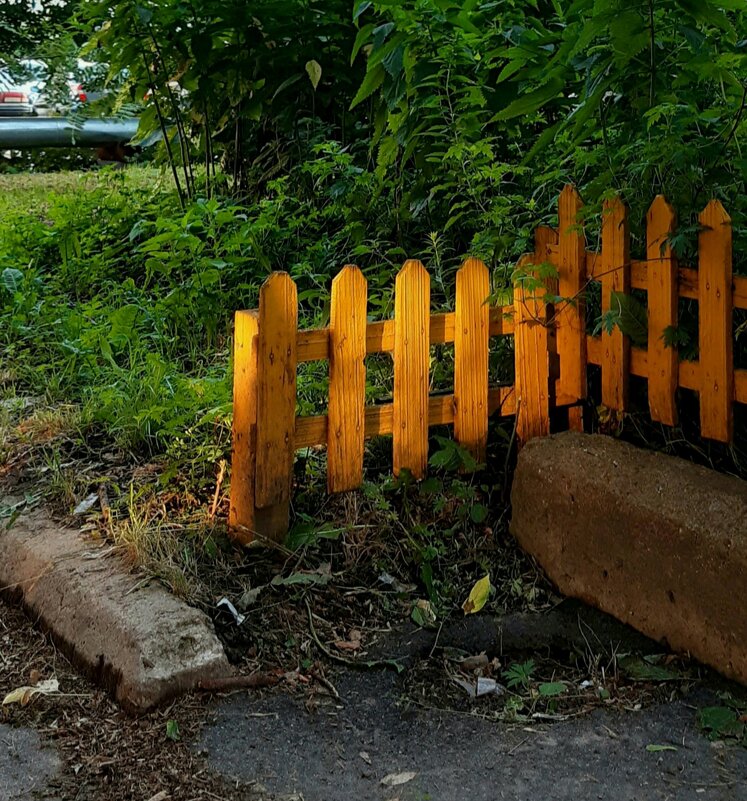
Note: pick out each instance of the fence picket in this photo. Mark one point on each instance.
(715, 323)
(347, 380)
(663, 300)
(412, 295)
(471, 338)
(276, 392)
(615, 278)
(241, 518)
(531, 357)
(571, 314)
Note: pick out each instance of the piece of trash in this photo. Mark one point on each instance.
(585, 684)
(654, 749)
(250, 597)
(224, 603)
(483, 686)
(24, 695)
(475, 662)
(396, 584)
(86, 504)
(395, 779)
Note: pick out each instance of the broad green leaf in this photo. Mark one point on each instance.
(373, 80)
(314, 71)
(716, 718)
(11, 279)
(550, 688)
(478, 596)
(172, 730)
(532, 101)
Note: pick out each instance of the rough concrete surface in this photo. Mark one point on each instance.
(344, 750)
(140, 641)
(657, 542)
(25, 766)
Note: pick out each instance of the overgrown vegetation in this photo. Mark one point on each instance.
(302, 136)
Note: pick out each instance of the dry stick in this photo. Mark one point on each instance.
(354, 663)
(218, 485)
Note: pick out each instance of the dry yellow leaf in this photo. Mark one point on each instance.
(478, 596)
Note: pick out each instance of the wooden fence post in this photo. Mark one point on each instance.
(532, 374)
(347, 380)
(663, 300)
(276, 404)
(715, 323)
(471, 351)
(241, 517)
(615, 278)
(412, 299)
(571, 316)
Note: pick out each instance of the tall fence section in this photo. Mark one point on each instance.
(551, 350)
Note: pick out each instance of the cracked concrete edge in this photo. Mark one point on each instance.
(141, 643)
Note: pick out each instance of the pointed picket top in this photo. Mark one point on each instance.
(352, 276)
(613, 209)
(714, 214)
(661, 219)
(412, 267)
(569, 206)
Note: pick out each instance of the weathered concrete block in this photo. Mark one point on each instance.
(655, 541)
(141, 642)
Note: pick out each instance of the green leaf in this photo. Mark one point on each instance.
(550, 688)
(531, 101)
(478, 596)
(631, 317)
(314, 71)
(655, 749)
(642, 670)
(123, 322)
(717, 719)
(373, 80)
(361, 38)
(11, 279)
(172, 730)
(301, 578)
(478, 513)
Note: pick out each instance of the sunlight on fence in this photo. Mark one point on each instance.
(268, 348)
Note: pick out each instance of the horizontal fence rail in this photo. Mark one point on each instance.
(552, 351)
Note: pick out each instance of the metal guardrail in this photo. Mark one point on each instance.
(30, 132)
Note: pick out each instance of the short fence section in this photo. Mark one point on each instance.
(551, 350)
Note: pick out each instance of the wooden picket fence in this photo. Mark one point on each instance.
(551, 346)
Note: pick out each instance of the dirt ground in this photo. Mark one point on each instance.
(375, 733)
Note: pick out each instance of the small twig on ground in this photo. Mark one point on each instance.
(355, 663)
(218, 485)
